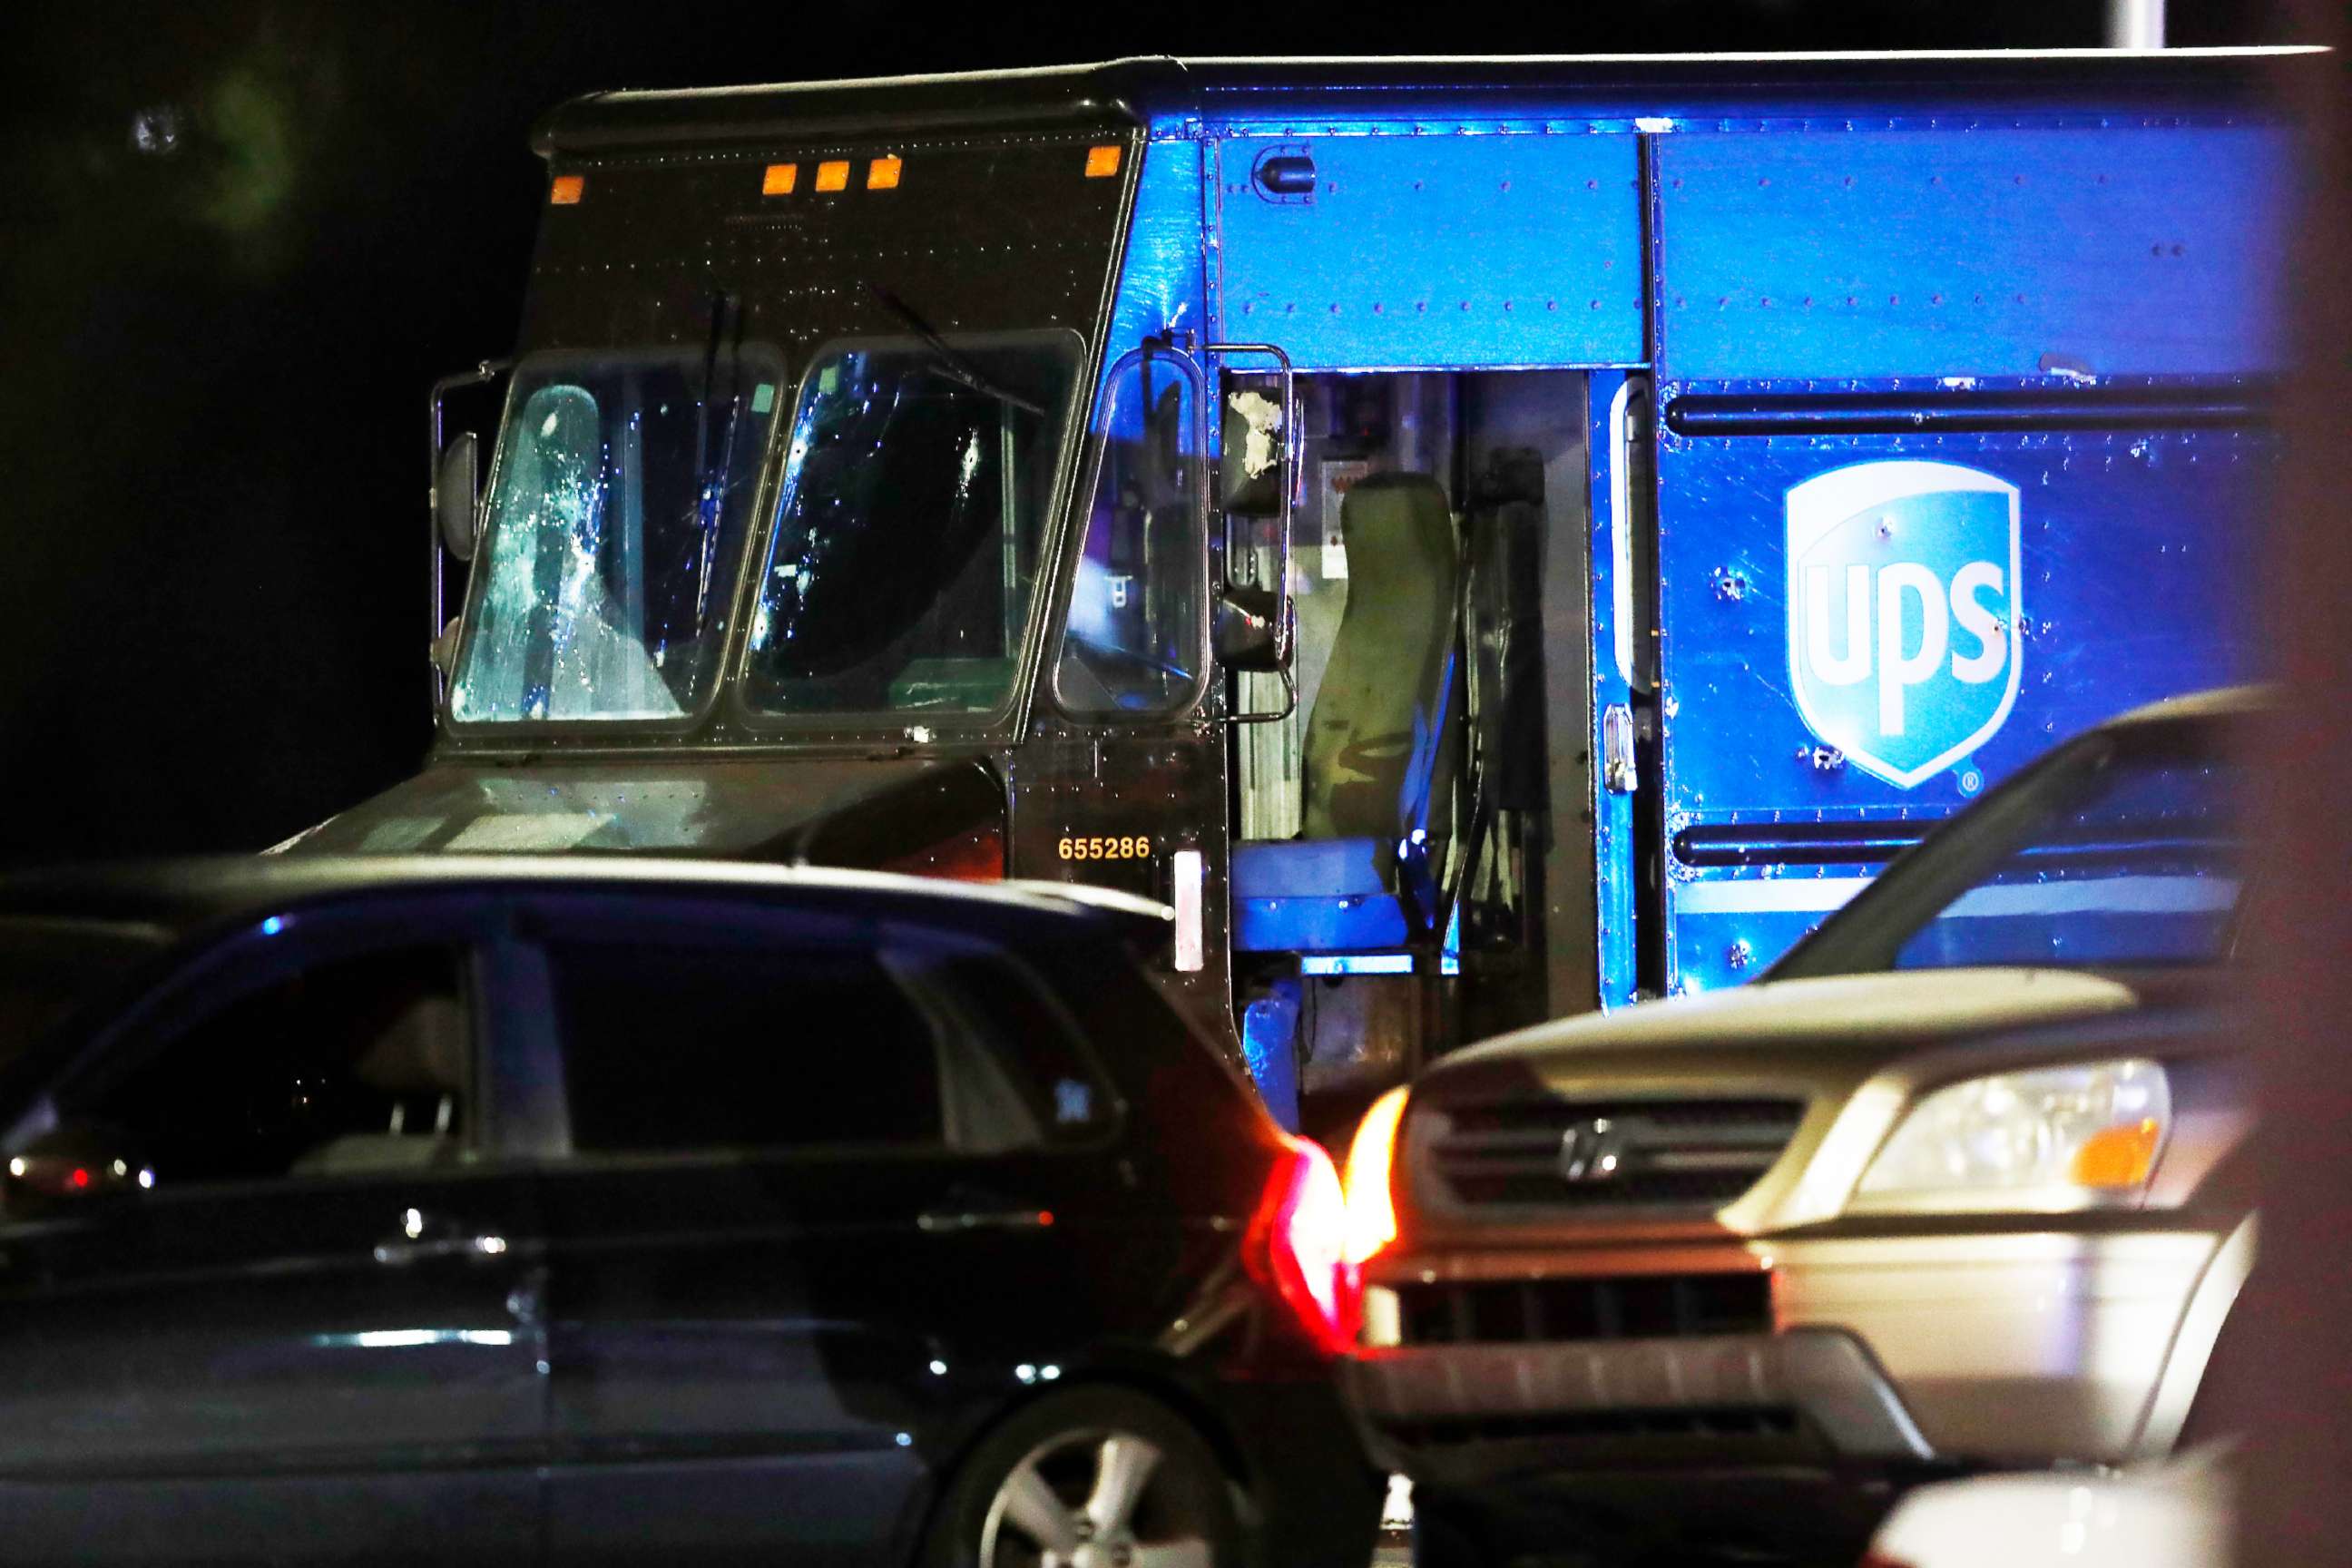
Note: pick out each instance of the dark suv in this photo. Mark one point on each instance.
(471, 1211)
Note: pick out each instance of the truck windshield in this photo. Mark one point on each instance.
(619, 502)
(2120, 849)
(901, 571)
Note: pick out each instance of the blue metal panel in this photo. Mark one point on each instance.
(1314, 895)
(1492, 250)
(1270, 1045)
(1615, 513)
(2137, 557)
(1316, 868)
(1160, 280)
(1756, 93)
(1969, 250)
(1357, 922)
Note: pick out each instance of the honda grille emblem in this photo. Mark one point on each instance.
(1591, 1151)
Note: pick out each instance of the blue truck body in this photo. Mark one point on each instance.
(2066, 283)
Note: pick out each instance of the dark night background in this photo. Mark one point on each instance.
(212, 419)
(212, 368)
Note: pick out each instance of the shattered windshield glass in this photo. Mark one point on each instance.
(619, 504)
(909, 524)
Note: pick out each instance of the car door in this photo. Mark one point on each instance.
(266, 1292)
(800, 1235)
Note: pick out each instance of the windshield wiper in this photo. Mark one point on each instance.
(710, 503)
(952, 364)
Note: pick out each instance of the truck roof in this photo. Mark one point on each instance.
(1137, 91)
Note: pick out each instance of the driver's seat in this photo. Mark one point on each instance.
(1376, 756)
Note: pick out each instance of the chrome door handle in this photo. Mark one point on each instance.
(420, 1238)
(1620, 766)
(394, 1253)
(525, 1302)
(985, 1219)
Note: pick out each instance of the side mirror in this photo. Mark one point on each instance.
(1248, 631)
(72, 1164)
(457, 500)
(1257, 474)
(457, 503)
(1256, 458)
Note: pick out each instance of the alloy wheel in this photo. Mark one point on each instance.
(1097, 1499)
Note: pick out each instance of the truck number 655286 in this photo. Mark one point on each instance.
(1132, 847)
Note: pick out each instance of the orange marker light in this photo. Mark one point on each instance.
(780, 179)
(833, 175)
(1102, 162)
(567, 190)
(1372, 1213)
(2119, 1156)
(882, 174)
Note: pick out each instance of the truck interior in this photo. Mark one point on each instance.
(1395, 827)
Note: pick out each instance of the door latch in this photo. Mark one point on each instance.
(1618, 774)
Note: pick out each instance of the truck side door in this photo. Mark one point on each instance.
(1125, 785)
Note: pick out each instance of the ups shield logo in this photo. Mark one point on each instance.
(1903, 613)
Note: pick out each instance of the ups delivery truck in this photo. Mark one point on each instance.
(1481, 540)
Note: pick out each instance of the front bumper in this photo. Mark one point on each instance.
(1726, 1448)
(1765, 1394)
(2001, 1346)
(1871, 1363)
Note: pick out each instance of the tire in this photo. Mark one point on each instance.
(1440, 1540)
(1045, 1489)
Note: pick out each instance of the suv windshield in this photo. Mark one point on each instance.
(2121, 848)
(909, 526)
(618, 507)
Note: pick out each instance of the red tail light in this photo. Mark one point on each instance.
(1299, 1245)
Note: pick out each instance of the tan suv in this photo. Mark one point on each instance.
(1960, 1183)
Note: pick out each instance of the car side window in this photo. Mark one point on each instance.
(676, 1050)
(1025, 1042)
(352, 1066)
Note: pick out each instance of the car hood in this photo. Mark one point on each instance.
(1809, 1047)
(1838, 1024)
(1905, 1005)
(828, 812)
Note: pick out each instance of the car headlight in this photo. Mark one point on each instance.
(2084, 1136)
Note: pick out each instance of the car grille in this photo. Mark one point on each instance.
(1606, 1307)
(1694, 1154)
